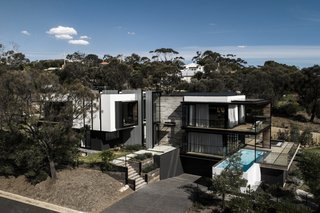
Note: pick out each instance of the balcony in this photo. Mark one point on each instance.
(219, 124)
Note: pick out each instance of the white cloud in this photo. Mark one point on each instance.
(64, 37)
(78, 42)
(241, 46)
(62, 32)
(84, 37)
(24, 32)
(131, 33)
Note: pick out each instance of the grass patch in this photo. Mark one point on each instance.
(313, 150)
(90, 158)
(121, 153)
(95, 158)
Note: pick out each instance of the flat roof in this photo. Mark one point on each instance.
(205, 94)
(251, 101)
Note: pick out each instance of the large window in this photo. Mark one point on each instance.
(126, 114)
(130, 113)
(217, 116)
(233, 143)
(205, 143)
(205, 115)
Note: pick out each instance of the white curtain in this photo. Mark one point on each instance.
(233, 115)
(205, 143)
(202, 115)
(241, 114)
(192, 115)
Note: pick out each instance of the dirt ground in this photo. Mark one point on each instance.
(80, 189)
(286, 123)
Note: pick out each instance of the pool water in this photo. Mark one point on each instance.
(247, 159)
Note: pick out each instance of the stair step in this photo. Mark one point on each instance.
(133, 177)
(131, 170)
(140, 185)
(132, 173)
(139, 181)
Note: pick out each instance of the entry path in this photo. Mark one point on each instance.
(170, 195)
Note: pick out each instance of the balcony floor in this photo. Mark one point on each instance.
(242, 128)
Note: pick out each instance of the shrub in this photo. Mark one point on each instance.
(306, 137)
(143, 156)
(283, 135)
(288, 109)
(289, 207)
(294, 133)
(149, 168)
(35, 177)
(7, 169)
(106, 156)
(300, 118)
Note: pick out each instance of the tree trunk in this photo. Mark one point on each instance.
(313, 111)
(223, 201)
(53, 170)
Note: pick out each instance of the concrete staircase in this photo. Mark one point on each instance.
(132, 174)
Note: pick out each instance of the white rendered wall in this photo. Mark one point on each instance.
(253, 175)
(213, 99)
(108, 109)
(108, 113)
(80, 122)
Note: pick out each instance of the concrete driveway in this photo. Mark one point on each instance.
(170, 195)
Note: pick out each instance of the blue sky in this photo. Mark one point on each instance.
(287, 31)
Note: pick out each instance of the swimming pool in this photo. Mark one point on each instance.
(247, 159)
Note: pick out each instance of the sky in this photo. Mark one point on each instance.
(286, 31)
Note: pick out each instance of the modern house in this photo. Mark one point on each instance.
(206, 128)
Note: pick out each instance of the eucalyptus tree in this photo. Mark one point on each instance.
(215, 62)
(34, 104)
(164, 54)
(308, 88)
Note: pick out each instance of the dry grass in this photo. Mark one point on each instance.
(80, 189)
(287, 123)
(283, 124)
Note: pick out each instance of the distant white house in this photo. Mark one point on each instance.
(190, 70)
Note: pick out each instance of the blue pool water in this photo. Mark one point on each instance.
(247, 159)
